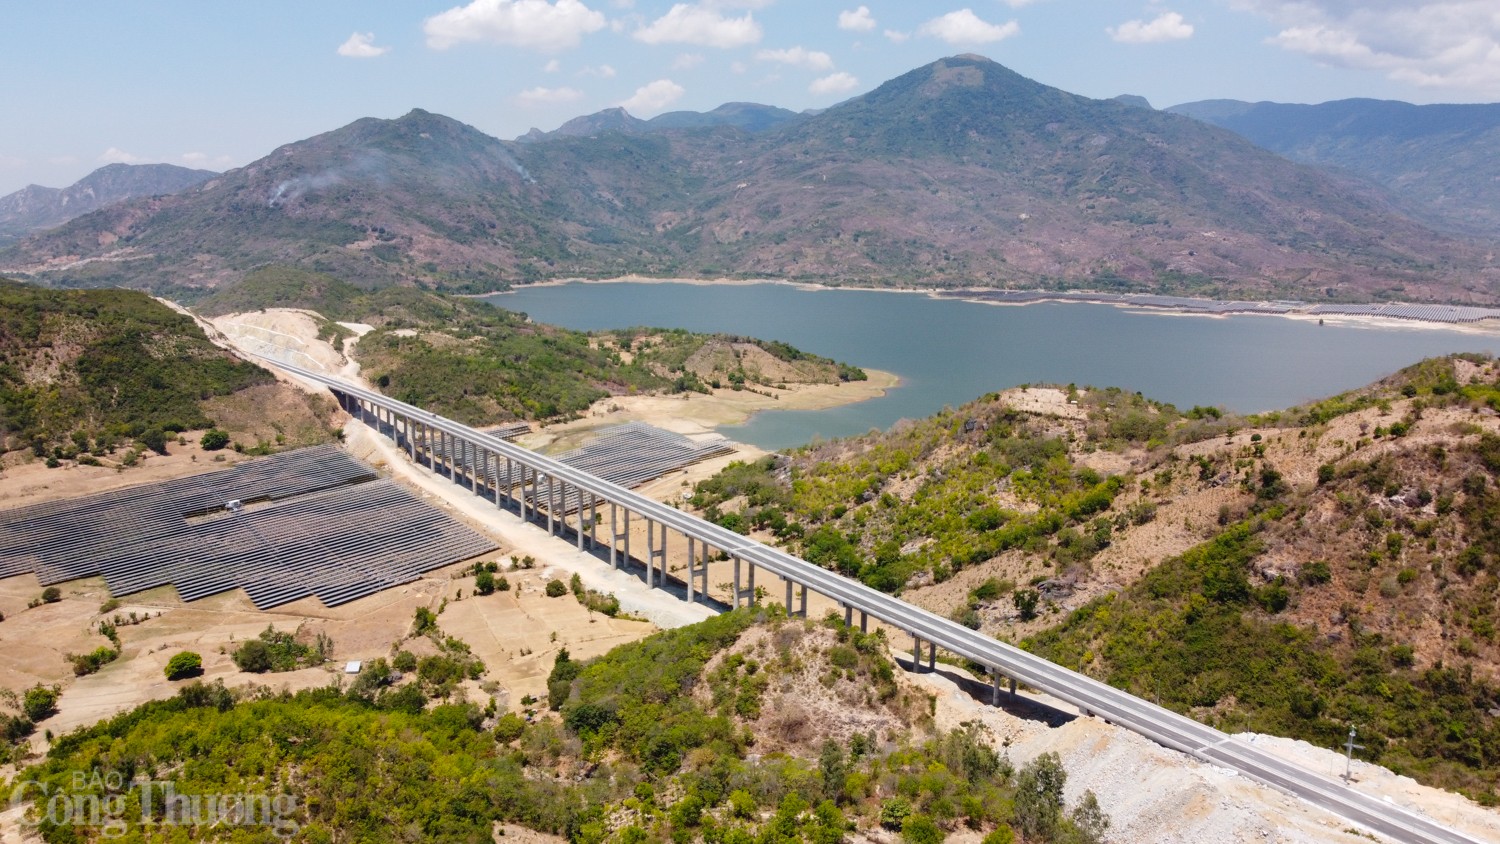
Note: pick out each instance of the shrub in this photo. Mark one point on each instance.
(920, 829)
(253, 656)
(183, 664)
(214, 439)
(556, 589)
(51, 595)
(404, 661)
(484, 582)
(40, 702)
(423, 621)
(84, 664)
(509, 728)
(1315, 573)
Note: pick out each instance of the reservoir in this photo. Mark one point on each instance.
(948, 351)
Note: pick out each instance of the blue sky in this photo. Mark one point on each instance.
(218, 85)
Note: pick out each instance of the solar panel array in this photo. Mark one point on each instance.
(634, 453)
(329, 530)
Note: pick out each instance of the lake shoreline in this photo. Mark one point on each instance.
(1129, 302)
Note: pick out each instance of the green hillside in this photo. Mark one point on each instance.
(88, 368)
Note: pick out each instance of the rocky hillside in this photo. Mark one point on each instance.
(1290, 573)
(957, 173)
(1440, 162)
(35, 208)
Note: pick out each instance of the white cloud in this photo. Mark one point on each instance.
(552, 66)
(1448, 44)
(547, 96)
(114, 155)
(687, 61)
(654, 97)
(361, 45)
(896, 36)
(537, 24)
(965, 27)
(1168, 26)
(603, 71)
(686, 23)
(858, 20)
(798, 56)
(834, 83)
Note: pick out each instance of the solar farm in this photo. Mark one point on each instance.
(634, 453)
(312, 522)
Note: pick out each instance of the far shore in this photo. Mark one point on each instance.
(1486, 327)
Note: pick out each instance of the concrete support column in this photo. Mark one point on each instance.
(522, 499)
(931, 656)
(916, 654)
(995, 689)
(510, 480)
(848, 615)
(411, 441)
(737, 592)
(789, 597)
(580, 519)
(863, 619)
(1012, 687)
(474, 468)
(593, 520)
(551, 504)
(614, 535)
(802, 603)
(703, 571)
(650, 553)
(691, 570)
(750, 586)
(626, 562)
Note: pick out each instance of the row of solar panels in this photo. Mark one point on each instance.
(329, 531)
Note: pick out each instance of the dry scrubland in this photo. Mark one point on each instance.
(1150, 793)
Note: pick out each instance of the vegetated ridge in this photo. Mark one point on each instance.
(35, 208)
(680, 736)
(477, 363)
(957, 173)
(1291, 573)
(1440, 162)
(84, 373)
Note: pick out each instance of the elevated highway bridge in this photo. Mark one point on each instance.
(535, 486)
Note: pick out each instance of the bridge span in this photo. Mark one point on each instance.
(537, 486)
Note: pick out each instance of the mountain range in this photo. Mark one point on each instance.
(1440, 162)
(958, 173)
(35, 208)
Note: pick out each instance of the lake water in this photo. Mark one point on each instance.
(948, 352)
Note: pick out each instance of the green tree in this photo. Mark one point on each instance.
(1026, 601)
(556, 589)
(1039, 797)
(155, 439)
(1089, 821)
(253, 656)
(183, 664)
(484, 582)
(920, 829)
(214, 439)
(423, 621)
(40, 702)
(832, 767)
(51, 595)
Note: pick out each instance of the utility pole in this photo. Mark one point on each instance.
(1349, 748)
